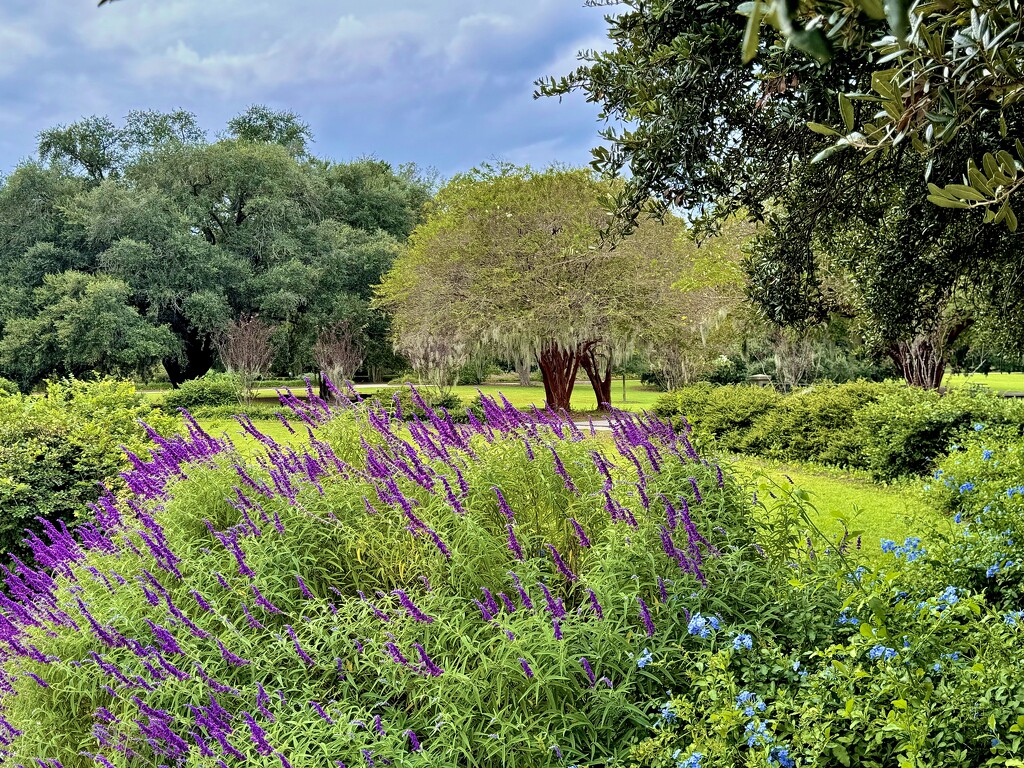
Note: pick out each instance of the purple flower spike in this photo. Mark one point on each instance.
(595, 605)
(259, 738)
(558, 628)
(580, 533)
(302, 586)
(230, 658)
(646, 616)
(503, 505)
(696, 491)
(513, 544)
(588, 669)
(284, 760)
(523, 596)
(411, 608)
(320, 711)
(414, 743)
(526, 668)
(560, 563)
(428, 664)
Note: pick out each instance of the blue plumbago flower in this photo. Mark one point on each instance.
(667, 715)
(986, 455)
(948, 597)
(845, 618)
(750, 703)
(958, 518)
(644, 659)
(742, 641)
(910, 549)
(756, 733)
(693, 761)
(1013, 619)
(880, 651)
(702, 626)
(781, 756)
(968, 486)
(978, 427)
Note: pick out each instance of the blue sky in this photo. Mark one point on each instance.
(443, 83)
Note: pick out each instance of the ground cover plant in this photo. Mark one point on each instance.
(513, 591)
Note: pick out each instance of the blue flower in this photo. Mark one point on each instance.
(968, 486)
(986, 455)
(693, 761)
(702, 626)
(880, 651)
(910, 549)
(667, 715)
(957, 517)
(742, 641)
(1014, 619)
(781, 756)
(845, 618)
(645, 659)
(756, 733)
(949, 596)
(978, 427)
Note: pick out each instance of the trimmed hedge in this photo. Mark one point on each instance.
(212, 390)
(887, 429)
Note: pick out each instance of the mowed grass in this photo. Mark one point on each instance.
(1001, 382)
(870, 510)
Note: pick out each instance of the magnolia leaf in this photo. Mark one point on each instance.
(812, 42)
(751, 35)
(964, 192)
(846, 110)
(945, 202)
(824, 130)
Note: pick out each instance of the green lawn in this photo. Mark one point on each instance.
(1001, 382)
(876, 511)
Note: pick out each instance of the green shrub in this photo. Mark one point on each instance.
(8, 387)
(212, 390)
(57, 448)
(817, 424)
(907, 430)
(724, 414)
(339, 603)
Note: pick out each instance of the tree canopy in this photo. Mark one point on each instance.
(192, 234)
(697, 127)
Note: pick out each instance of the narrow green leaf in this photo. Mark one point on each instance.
(751, 35)
(846, 110)
(824, 130)
(964, 192)
(945, 202)
(898, 14)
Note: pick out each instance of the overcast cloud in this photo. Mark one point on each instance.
(443, 83)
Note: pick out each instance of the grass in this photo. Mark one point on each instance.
(871, 510)
(1001, 382)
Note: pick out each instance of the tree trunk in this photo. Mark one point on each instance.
(197, 356)
(558, 368)
(922, 360)
(523, 369)
(600, 379)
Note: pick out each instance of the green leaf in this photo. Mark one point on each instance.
(812, 42)
(872, 8)
(751, 35)
(945, 202)
(827, 152)
(846, 110)
(824, 130)
(898, 13)
(964, 192)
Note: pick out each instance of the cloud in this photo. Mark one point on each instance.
(446, 83)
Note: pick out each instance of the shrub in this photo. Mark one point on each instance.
(8, 387)
(408, 402)
(725, 414)
(211, 390)
(817, 424)
(907, 430)
(57, 448)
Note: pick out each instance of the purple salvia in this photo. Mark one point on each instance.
(414, 743)
(523, 596)
(555, 606)
(696, 491)
(526, 667)
(560, 563)
(503, 505)
(284, 760)
(596, 606)
(259, 738)
(378, 726)
(513, 544)
(492, 606)
(428, 665)
(250, 619)
(230, 658)
(589, 670)
(201, 602)
(303, 588)
(262, 699)
(645, 615)
(439, 543)
(396, 654)
(580, 533)
(411, 608)
(557, 626)
(662, 590)
(298, 648)
(507, 602)
(561, 470)
(262, 601)
(320, 711)
(667, 544)
(719, 477)
(529, 449)
(453, 500)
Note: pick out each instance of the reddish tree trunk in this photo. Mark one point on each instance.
(600, 374)
(558, 368)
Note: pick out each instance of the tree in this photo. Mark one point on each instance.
(511, 259)
(246, 350)
(261, 125)
(710, 133)
(206, 233)
(80, 324)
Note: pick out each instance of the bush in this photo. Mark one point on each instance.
(724, 414)
(889, 429)
(907, 430)
(212, 390)
(511, 594)
(817, 424)
(57, 448)
(8, 387)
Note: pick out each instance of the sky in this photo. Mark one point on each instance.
(446, 84)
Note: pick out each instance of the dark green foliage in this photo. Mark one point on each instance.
(56, 449)
(888, 429)
(725, 414)
(212, 390)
